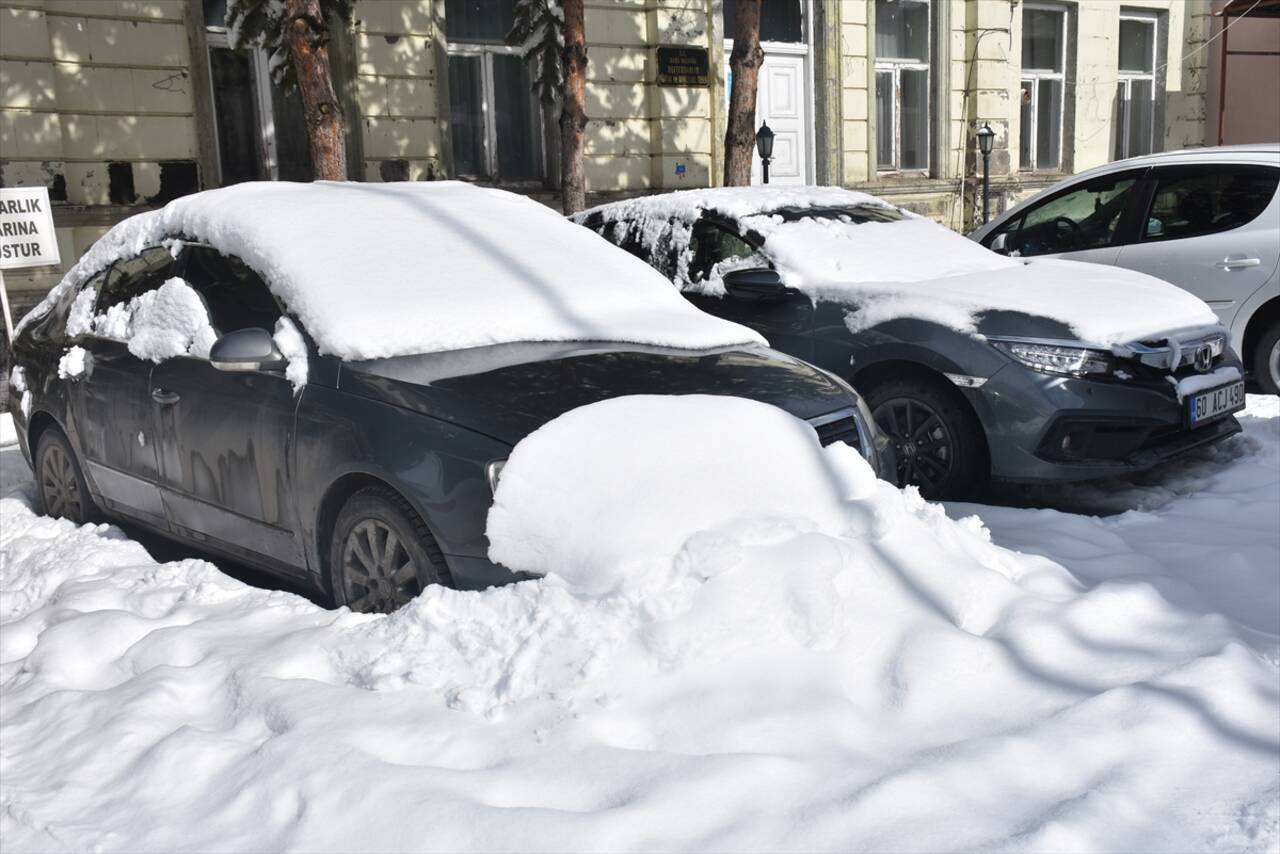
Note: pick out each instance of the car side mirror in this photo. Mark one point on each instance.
(1155, 227)
(1000, 244)
(247, 350)
(759, 284)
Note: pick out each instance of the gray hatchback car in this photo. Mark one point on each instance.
(977, 366)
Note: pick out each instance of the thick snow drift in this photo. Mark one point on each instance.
(394, 269)
(544, 521)
(783, 683)
(911, 267)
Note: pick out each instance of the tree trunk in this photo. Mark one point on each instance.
(573, 116)
(307, 35)
(745, 62)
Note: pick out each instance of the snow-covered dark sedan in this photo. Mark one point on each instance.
(323, 380)
(975, 364)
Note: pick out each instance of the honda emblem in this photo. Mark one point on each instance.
(1204, 358)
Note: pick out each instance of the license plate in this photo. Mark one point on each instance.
(1214, 403)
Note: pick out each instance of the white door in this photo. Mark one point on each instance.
(781, 102)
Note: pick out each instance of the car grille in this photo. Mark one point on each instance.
(839, 426)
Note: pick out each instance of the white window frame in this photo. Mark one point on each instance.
(486, 53)
(260, 65)
(1034, 76)
(895, 66)
(1126, 79)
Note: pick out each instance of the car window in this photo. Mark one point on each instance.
(133, 277)
(714, 249)
(1087, 217)
(1191, 201)
(235, 295)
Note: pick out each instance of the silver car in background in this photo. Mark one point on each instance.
(1205, 219)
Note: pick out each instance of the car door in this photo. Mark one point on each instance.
(1087, 221)
(110, 399)
(225, 438)
(785, 322)
(1212, 229)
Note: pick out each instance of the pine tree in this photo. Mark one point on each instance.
(744, 62)
(295, 34)
(552, 37)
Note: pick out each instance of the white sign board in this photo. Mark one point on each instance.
(27, 238)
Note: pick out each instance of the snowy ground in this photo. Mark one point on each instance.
(1038, 680)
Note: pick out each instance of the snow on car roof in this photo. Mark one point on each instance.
(381, 270)
(909, 267)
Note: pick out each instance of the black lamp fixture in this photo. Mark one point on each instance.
(764, 146)
(986, 136)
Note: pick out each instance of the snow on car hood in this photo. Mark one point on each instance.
(375, 271)
(916, 268)
(912, 267)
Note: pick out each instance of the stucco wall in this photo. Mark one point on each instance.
(84, 85)
(397, 89)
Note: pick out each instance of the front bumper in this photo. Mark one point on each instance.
(1043, 428)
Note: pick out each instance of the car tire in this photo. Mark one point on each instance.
(1266, 361)
(938, 442)
(381, 554)
(61, 490)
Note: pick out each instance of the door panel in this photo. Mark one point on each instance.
(224, 446)
(111, 404)
(111, 401)
(786, 324)
(1212, 230)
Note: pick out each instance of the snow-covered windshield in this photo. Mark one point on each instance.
(818, 247)
(376, 271)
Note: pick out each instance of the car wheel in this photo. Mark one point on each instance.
(937, 442)
(382, 555)
(1266, 361)
(60, 484)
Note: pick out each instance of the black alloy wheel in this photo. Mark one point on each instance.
(937, 442)
(925, 448)
(382, 555)
(60, 484)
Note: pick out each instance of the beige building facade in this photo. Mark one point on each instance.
(116, 105)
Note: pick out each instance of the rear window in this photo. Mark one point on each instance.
(1191, 201)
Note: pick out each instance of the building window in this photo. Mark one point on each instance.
(495, 121)
(902, 85)
(261, 132)
(1044, 51)
(779, 22)
(1136, 86)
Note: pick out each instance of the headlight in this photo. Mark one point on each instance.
(492, 473)
(1056, 359)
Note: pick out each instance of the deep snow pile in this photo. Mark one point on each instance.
(791, 679)
(912, 267)
(374, 271)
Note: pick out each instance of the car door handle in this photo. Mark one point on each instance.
(1236, 262)
(164, 397)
